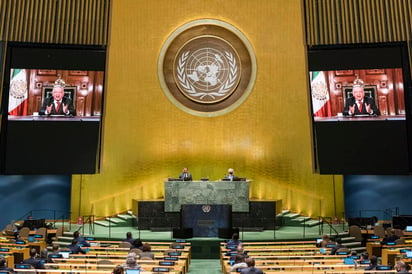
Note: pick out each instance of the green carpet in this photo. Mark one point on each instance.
(205, 266)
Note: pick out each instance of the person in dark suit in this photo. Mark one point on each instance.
(392, 237)
(251, 269)
(358, 104)
(185, 175)
(230, 176)
(373, 264)
(129, 238)
(3, 265)
(57, 104)
(80, 240)
(75, 247)
(234, 242)
(33, 261)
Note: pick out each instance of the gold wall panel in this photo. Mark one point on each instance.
(147, 139)
(49, 21)
(357, 21)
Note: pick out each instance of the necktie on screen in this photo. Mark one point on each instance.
(58, 106)
(360, 106)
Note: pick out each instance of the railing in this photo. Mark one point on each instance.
(384, 214)
(60, 216)
(329, 222)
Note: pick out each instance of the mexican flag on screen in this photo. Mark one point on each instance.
(18, 93)
(320, 95)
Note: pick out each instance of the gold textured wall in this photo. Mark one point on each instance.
(331, 22)
(147, 139)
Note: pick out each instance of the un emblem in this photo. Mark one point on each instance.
(207, 67)
(206, 208)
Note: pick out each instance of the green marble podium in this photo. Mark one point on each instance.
(179, 193)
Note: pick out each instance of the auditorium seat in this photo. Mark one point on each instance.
(136, 251)
(125, 245)
(24, 232)
(42, 231)
(103, 264)
(380, 231)
(355, 231)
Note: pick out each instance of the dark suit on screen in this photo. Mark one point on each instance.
(366, 101)
(50, 101)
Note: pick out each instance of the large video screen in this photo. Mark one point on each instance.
(360, 108)
(357, 93)
(52, 109)
(55, 93)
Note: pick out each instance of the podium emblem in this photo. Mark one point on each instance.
(206, 208)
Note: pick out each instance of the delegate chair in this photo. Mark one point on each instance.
(355, 231)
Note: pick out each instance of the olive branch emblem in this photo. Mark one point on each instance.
(225, 87)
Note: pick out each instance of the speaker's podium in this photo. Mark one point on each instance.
(205, 221)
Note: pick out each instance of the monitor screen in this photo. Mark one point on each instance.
(349, 261)
(408, 228)
(55, 95)
(359, 100)
(167, 263)
(132, 271)
(160, 269)
(65, 254)
(384, 267)
(22, 266)
(170, 258)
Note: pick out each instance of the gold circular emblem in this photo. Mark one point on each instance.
(207, 67)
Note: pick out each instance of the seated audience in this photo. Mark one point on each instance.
(234, 242)
(118, 270)
(239, 263)
(33, 260)
(325, 241)
(3, 265)
(131, 262)
(55, 249)
(401, 267)
(129, 238)
(392, 237)
(147, 252)
(239, 251)
(251, 269)
(137, 243)
(75, 248)
(44, 256)
(338, 245)
(373, 264)
(80, 240)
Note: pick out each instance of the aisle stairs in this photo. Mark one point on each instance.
(120, 220)
(295, 219)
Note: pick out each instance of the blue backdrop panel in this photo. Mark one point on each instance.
(45, 197)
(371, 195)
(206, 220)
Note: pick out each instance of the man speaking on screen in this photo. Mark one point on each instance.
(58, 103)
(359, 104)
